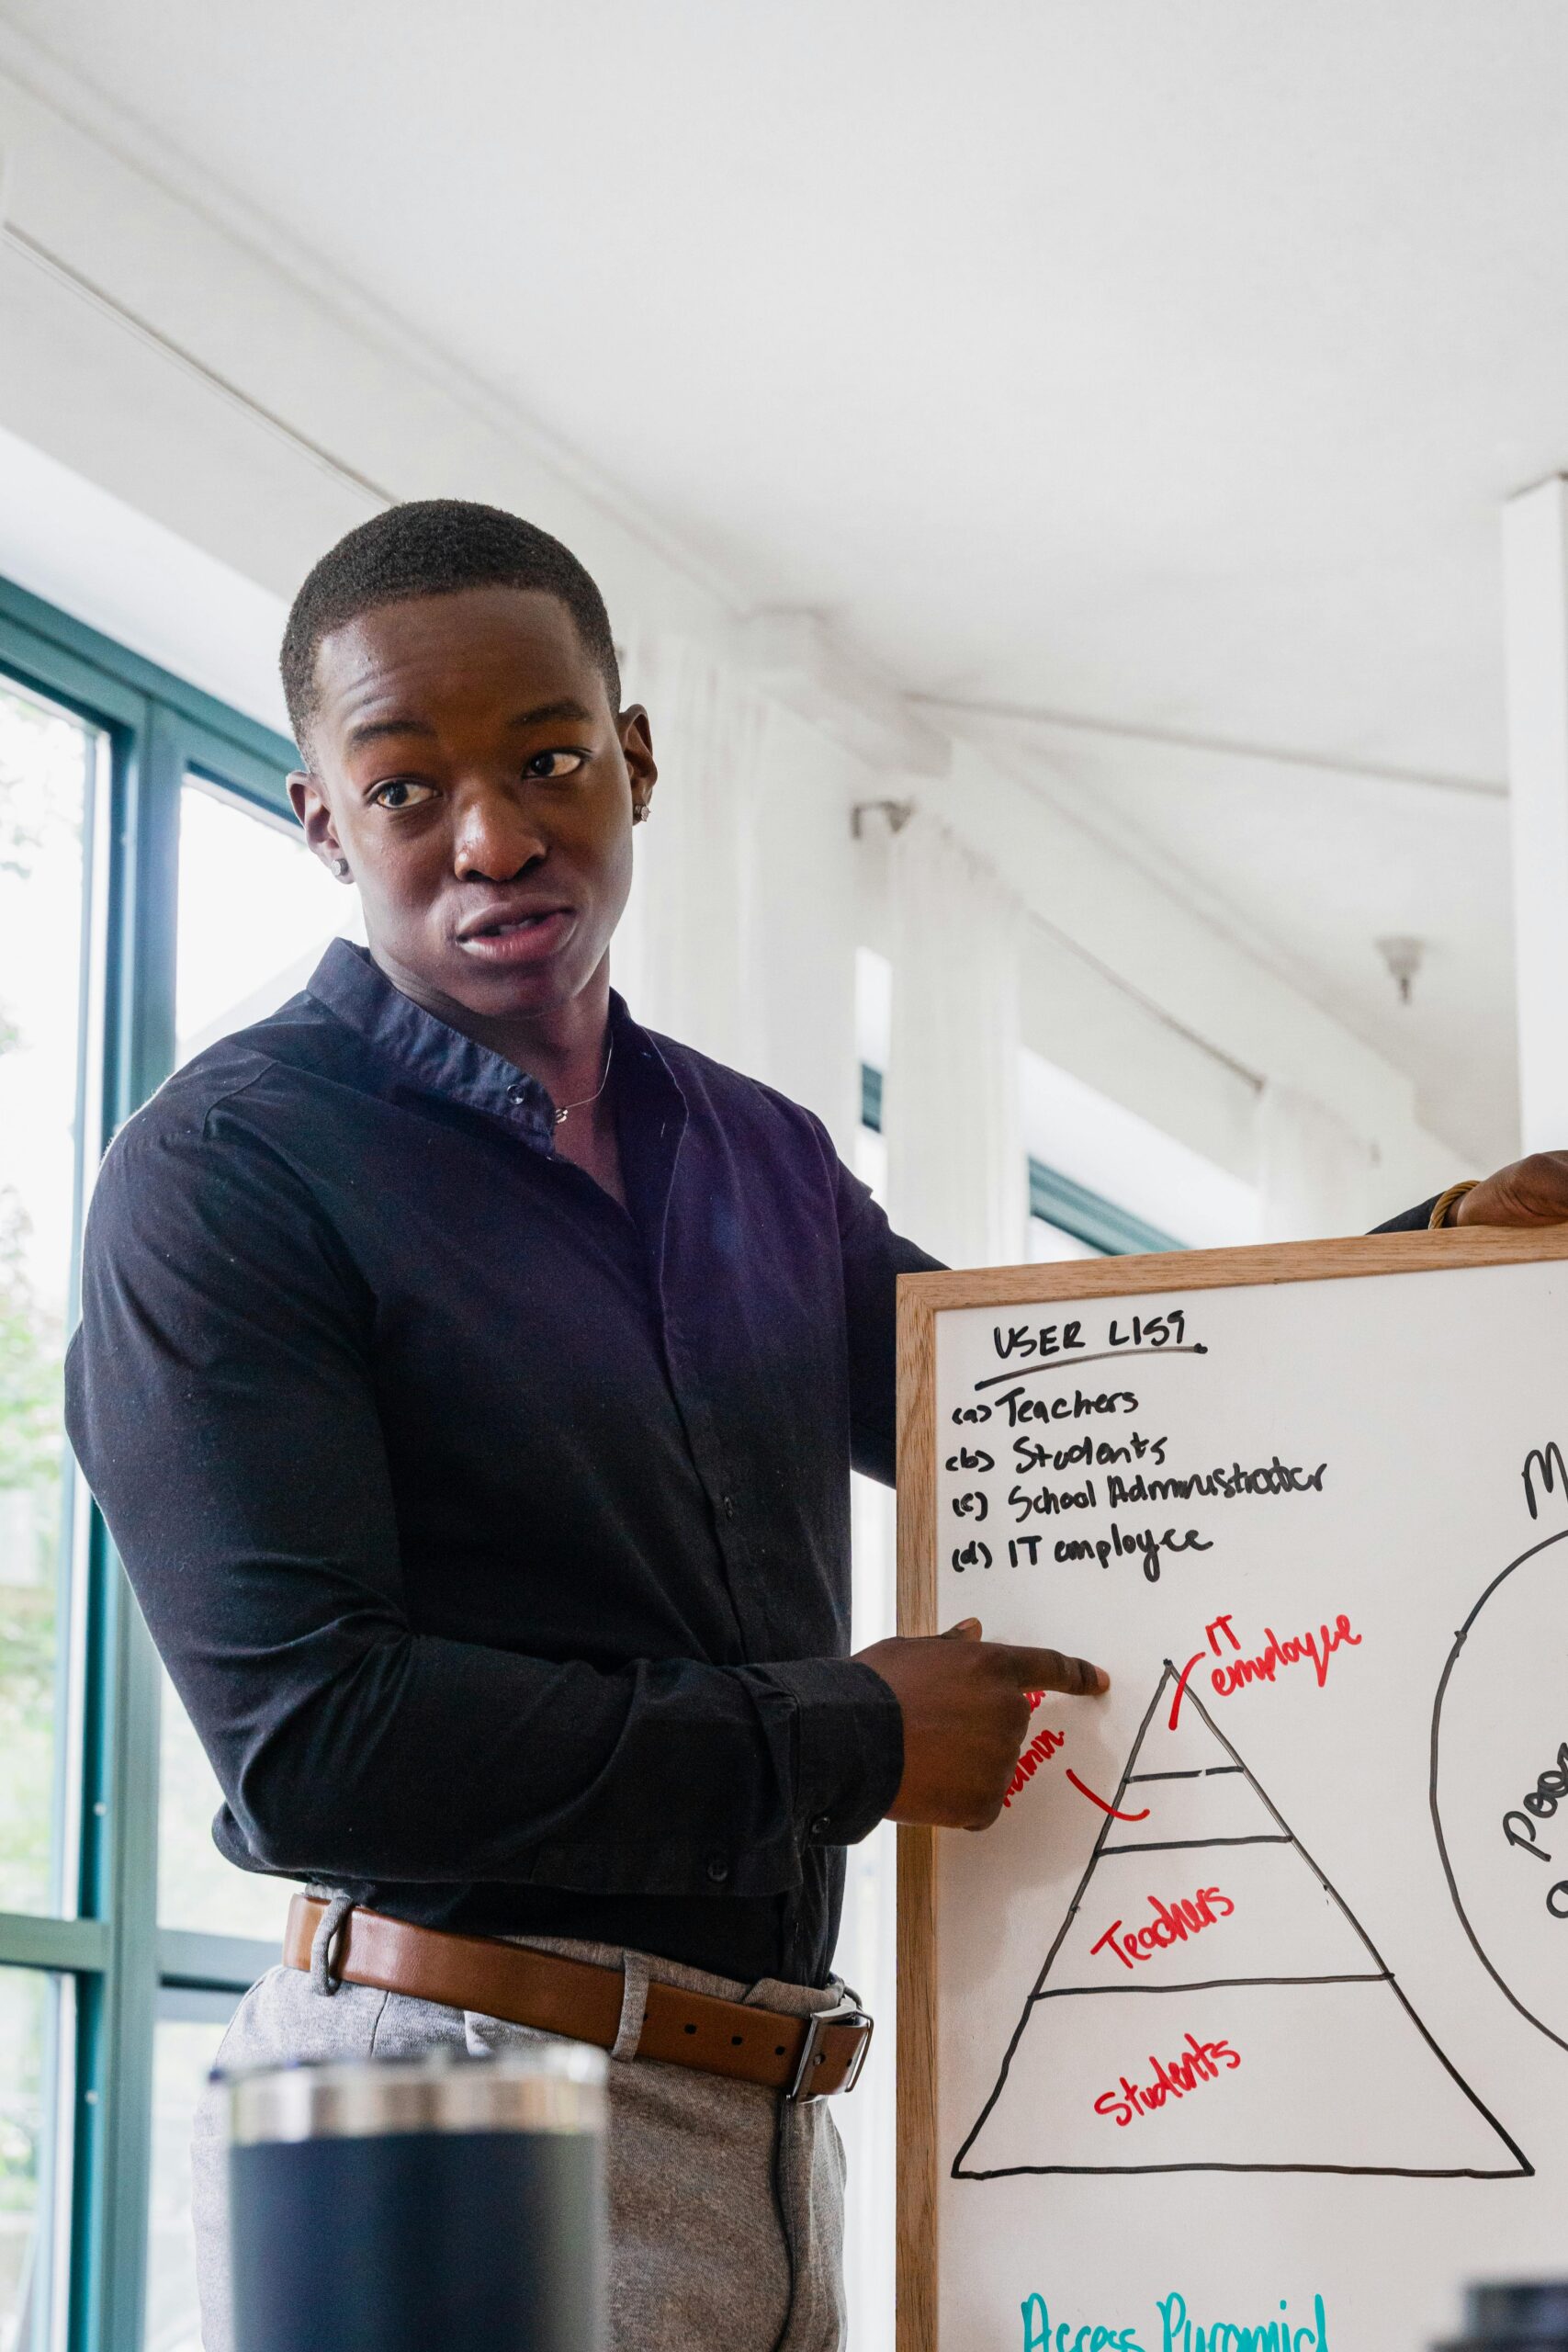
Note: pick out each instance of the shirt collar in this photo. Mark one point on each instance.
(440, 1060)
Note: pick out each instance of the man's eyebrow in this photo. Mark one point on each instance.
(545, 711)
(370, 730)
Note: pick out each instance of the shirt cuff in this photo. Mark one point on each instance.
(849, 1747)
(1415, 1220)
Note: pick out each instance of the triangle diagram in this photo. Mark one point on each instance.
(1212, 2005)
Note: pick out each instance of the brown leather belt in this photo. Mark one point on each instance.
(805, 2058)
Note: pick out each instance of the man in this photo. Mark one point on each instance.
(470, 1382)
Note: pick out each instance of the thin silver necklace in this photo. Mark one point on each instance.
(564, 1114)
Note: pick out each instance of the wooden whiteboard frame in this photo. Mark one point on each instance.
(921, 1298)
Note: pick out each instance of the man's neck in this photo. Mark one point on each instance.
(563, 1047)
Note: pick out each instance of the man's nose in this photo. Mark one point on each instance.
(497, 838)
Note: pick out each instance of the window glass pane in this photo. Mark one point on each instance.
(197, 1888)
(31, 2018)
(48, 765)
(256, 912)
(184, 2050)
(871, 1161)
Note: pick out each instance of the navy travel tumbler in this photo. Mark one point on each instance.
(421, 2206)
(1501, 2318)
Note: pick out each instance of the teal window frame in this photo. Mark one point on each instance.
(126, 1971)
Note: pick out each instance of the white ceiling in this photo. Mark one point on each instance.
(1159, 360)
(1310, 869)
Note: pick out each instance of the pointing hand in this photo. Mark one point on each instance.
(966, 1705)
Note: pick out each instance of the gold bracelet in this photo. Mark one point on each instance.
(1445, 1201)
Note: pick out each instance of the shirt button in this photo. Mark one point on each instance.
(517, 1094)
(729, 1507)
(718, 1869)
(821, 1826)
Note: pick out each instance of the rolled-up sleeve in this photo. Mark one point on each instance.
(222, 1400)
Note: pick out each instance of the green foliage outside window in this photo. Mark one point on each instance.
(30, 1357)
(32, 1444)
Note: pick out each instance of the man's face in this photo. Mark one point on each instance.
(466, 763)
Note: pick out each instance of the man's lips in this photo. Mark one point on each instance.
(516, 936)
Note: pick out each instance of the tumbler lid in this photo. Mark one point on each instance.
(552, 2086)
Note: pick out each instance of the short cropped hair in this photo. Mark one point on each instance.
(433, 546)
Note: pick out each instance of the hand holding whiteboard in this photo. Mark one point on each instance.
(1214, 1931)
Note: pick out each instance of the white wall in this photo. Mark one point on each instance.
(808, 924)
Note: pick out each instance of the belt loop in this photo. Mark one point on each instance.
(634, 2001)
(322, 1978)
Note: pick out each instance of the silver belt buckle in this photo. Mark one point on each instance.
(847, 2013)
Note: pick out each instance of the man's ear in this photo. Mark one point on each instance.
(637, 746)
(311, 807)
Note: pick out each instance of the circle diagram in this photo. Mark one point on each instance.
(1500, 1782)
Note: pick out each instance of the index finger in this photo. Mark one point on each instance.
(1050, 1670)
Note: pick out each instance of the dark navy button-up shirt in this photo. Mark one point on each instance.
(496, 1540)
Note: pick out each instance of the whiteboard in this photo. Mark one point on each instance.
(1251, 2012)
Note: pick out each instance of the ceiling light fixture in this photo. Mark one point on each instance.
(1403, 959)
(897, 813)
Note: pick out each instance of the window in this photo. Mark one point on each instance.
(50, 780)
(129, 803)
(873, 1030)
(1104, 1181)
(1066, 1220)
(236, 959)
(32, 2011)
(185, 2044)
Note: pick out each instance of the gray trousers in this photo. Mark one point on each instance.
(727, 2202)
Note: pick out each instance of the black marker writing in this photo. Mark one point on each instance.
(1553, 1472)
